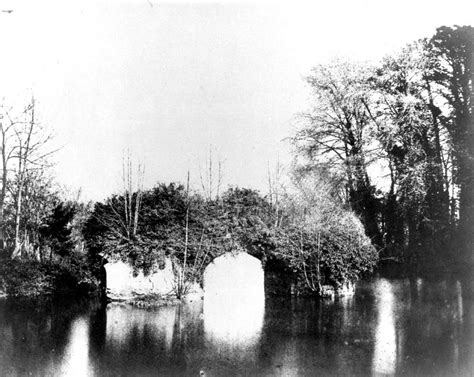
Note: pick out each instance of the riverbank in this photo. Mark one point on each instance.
(30, 278)
(148, 301)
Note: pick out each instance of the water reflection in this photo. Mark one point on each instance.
(44, 338)
(75, 362)
(166, 340)
(234, 308)
(234, 321)
(233, 326)
(385, 352)
(389, 327)
(121, 327)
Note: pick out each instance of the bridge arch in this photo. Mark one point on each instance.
(234, 274)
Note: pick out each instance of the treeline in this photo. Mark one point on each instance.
(42, 249)
(384, 165)
(301, 232)
(53, 259)
(306, 238)
(398, 139)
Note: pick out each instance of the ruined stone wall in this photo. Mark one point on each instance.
(234, 274)
(123, 285)
(230, 276)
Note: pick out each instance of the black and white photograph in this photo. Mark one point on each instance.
(236, 188)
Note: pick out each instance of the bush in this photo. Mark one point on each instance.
(24, 278)
(315, 240)
(321, 242)
(33, 278)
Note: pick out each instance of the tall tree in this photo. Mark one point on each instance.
(417, 204)
(339, 131)
(453, 48)
(7, 123)
(24, 149)
(31, 149)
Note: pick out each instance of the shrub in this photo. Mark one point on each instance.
(33, 278)
(321, 242)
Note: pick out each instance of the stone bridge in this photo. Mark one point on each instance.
(230, 275)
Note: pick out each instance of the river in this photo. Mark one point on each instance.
(389, 327)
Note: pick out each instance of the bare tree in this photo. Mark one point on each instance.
(6, 126)
(124, 214)
(211, 181)
(132, 197)
(24, 150)
(275, 191)
(182, 285)
(30, 150)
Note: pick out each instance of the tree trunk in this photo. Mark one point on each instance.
(17, 242)
(3, 191)
(466, 212)
(365, 204)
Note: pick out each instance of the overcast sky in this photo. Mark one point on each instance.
(167, 80)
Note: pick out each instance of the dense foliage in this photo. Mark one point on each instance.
(55, 261)
(384, 164)
(399, 134)
(33, 278)
(193, 230)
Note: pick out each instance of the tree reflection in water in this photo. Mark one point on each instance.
(385, 352)
(75, 361)
(390, 327)
(233, 325)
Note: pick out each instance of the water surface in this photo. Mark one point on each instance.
(389, 327)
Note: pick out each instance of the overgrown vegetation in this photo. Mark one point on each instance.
(399, 135)
(33, 278)
(311, 236)
(383, 165)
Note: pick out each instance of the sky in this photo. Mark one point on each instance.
(167, 81)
